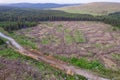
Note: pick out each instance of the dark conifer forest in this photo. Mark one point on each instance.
(17, 18)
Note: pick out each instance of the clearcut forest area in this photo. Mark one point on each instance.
(37, 43)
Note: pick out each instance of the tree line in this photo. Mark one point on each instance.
(16, 25)
(16, 18)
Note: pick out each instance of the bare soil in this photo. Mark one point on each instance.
(18, 70)
(71, 70)
(99, 41)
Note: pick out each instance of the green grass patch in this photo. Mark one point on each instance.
(115, 28)
(80, 12)
(93, 65)
(23, 40)
(98, 45)
(67, 31)
(50, 39)
(83, 62)
(75, 37)
(78, 36)
(116, 56)
(60, 25)
(59, 29)
(68, 38)
(49, 24)
(9, 53)
(45, 41)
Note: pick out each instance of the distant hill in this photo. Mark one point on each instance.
(38, 5)
(96, 8)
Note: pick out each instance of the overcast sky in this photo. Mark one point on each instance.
(56, 1)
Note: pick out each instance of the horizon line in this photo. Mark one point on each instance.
(56, 3)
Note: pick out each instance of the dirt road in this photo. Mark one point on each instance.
(71, 70)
